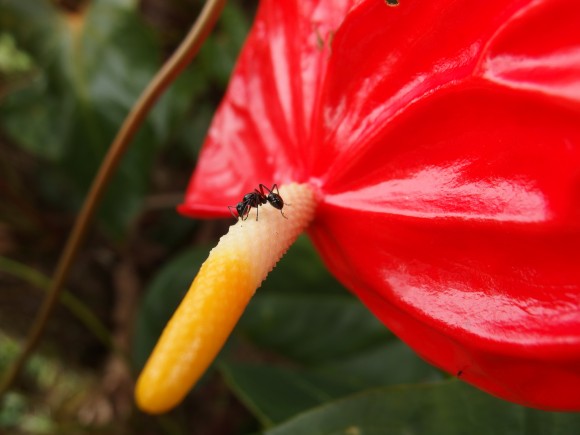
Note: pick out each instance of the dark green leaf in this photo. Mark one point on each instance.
(311, 328)
(274, 394)
(387, 363)
(447, 408)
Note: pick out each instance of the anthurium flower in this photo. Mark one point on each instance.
(442, 143)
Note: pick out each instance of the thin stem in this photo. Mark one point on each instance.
(180, 59)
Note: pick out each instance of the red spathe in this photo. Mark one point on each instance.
(443, 139)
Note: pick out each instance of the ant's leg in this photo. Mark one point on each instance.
(262, 187)
(275, 186)
(261, 199)
(230, 208)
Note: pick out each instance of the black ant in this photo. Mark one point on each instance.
(256, 199)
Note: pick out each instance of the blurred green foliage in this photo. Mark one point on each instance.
(12, 60)
(90, 67)
(307, 357)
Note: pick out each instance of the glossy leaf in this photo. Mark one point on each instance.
(442, 139)
(285, 323)
(447, 408)
(389, 363)
(274, 393)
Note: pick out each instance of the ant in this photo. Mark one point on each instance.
(256, 199)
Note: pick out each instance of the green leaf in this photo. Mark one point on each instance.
(445, 408)
(274, 393)
(311, 328)
(387, 363)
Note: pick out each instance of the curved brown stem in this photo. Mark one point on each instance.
(172, 68)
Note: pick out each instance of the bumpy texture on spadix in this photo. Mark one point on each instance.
(217, 297)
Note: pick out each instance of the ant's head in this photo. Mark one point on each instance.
(275, 200)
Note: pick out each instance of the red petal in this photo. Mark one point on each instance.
(455, 214)
(468, 248)
(445, 138)
(261, 132)
(539, 52)
(385, 59)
